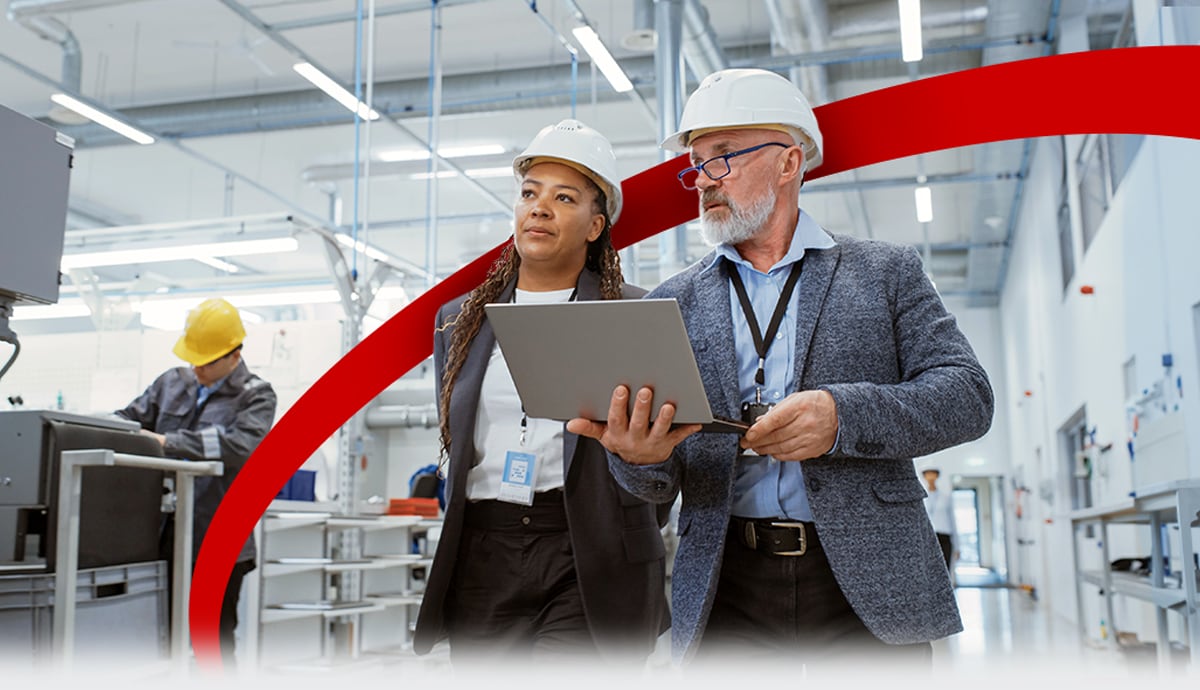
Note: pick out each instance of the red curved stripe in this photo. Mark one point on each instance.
(1076, 93)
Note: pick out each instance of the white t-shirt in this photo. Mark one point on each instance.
(939, 504)
(498, 424)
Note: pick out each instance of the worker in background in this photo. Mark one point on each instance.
(804, 544)
(214, 409)
(565, 566)
(940, 507)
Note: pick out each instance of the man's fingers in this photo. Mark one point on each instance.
(639, 421)
(618, 410)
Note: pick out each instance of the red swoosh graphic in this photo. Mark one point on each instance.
(1075, 93)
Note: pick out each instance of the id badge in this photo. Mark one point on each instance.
(516, 484)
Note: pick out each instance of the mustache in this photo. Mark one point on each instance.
(713, 196)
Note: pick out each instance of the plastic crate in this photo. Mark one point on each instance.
(425, 507)
(120, 615)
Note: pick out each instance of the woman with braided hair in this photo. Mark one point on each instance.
(576, 571)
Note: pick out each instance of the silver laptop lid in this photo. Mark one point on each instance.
(566, 358)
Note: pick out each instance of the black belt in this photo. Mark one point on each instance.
(547, 514)
(775, 536)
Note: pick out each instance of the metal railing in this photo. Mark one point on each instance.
(70, 482)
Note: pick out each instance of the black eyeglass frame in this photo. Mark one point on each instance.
(724, 158)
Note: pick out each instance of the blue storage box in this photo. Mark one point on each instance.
(299, 487)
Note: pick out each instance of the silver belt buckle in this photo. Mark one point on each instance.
(803, 538)
(748, 534)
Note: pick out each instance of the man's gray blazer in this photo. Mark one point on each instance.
(873, 332)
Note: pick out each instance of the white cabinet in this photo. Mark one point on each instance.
(1154, 507)
(337, 590)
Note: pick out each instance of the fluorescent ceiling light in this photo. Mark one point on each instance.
(924, 199)
(102, 118)
(361, 247)
(335, 90)
(217, 264)
(911, 49)
(399, 155)
(122, 257)
(505, 171)
(591, 42)
(67, 309)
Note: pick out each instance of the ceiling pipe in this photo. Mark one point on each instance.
(55, 31)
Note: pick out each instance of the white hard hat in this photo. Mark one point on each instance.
(748, 98)
(581, 147)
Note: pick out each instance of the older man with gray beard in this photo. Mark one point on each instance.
(804, 543)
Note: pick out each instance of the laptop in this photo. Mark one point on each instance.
(566, 358)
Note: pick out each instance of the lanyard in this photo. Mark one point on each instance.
(762, 342)
(524, 417)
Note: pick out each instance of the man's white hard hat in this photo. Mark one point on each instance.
(748, 98)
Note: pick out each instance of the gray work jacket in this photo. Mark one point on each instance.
(227, 427)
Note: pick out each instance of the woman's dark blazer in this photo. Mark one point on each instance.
(616, 538)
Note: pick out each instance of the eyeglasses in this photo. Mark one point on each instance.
(718, 166)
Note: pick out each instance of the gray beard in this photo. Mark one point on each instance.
(742, 223)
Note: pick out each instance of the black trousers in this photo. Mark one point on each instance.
(514, 596)
(788, 613)
(947, 547)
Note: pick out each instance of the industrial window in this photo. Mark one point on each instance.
(1066, 245)
(1121, 149)
(1093, 187)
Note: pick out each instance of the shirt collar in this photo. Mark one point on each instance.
(216, 384)
(808, 235)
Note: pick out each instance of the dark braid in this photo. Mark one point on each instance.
(602, 258)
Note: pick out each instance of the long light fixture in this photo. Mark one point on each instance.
(335, 91)
(924, 199)
(102, 118)
(503, 171)
(911, 48)
(121, 257)
(402, 155)
(590, 40)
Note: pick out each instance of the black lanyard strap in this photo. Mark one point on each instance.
(762, 342)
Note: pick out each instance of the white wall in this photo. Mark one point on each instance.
(1068, 349)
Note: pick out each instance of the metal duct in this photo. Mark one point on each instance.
(511, 88)
(641, 37)
(406, 416)
(53, 30)
(849, 21)
(700, 46)
(19, 10)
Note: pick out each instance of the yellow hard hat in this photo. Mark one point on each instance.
(213, 330)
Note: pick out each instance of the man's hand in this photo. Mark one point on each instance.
(162, 440)
(632, 437)
(803, 425)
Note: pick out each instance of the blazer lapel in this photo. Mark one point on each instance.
(817, 275)
(711, 331)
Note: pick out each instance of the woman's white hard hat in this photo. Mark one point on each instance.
(579, 146)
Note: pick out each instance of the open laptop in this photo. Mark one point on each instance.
(566, 358)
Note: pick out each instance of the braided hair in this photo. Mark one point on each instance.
(602, 258)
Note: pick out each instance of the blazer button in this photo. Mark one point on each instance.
(660, 486)
(814, 484)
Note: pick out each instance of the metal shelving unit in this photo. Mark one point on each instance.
(1153, 506)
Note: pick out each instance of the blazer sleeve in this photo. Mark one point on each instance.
(943, 397)
(657, 483)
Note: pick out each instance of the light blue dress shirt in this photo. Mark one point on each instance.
(764, 486)
(202, 392)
